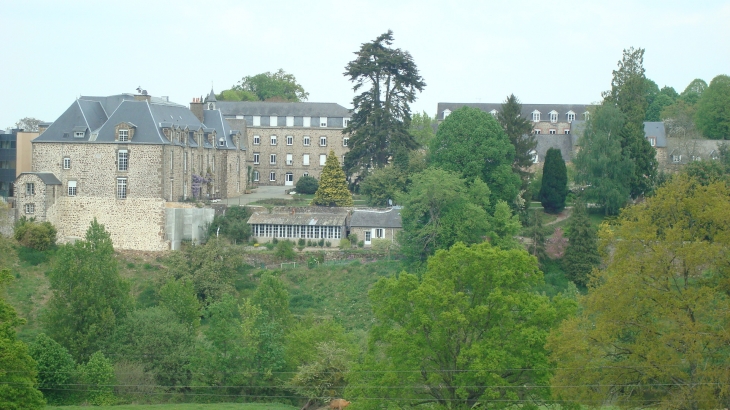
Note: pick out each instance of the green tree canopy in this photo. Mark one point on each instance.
(388, 80)
(332, 190)
(55, 368)
(470, 332)
(669, 92)
(88, 296)
(554, 188)
(601, 167)
(581, 255)
(384, 185)
(691, 95)
(423, 128)
(654, 112)
(439, 210)
(18, 374)
(652, 331)
(519, 132)
(268, 86)
(471, 143)
(713, 109)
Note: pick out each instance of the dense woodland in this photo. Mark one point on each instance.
(597, 283)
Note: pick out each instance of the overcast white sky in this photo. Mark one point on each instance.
(467, 51)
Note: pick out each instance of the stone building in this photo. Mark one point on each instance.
(285, 140)
(294, 223)
(376, 224)
(125, 159)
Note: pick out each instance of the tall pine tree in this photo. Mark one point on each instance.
(628, 93)
(332, 189)
(581, 256)
(519, 131)
(554, 182)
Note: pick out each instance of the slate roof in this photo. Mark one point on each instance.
(285, 109)
(527, 109)
(376, 218)
(656, 129)
(214, 119)
(563, 142)
(47, 177)
(315, 216)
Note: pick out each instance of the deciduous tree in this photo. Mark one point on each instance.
(388, 80)
(554, 188)
(332, 189)
(713, 109)
(88, 296)
(652, 331)
(423, 128)
(268, 86)
(56, 368)
(28, 124)
(471, 143)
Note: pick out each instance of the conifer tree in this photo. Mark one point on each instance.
(536, 233)
(332, 189)
(581, 256)
(519, 131)
(554, 182)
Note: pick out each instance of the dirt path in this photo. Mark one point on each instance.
(562, 216)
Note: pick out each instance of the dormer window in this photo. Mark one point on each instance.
(494, 113)
(345, 122)
(586, 116)
(222, 142)
(256, 120)
(553, 116)
(78, 134)
(211, 106)
(446, 113)
(273, 121)
(536, 116)
(306, 121)
(536, 132)
(570, 116)
(123, 135)
(323, 121)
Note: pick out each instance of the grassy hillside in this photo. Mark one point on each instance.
(187, 406)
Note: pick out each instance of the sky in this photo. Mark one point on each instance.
(556, 51)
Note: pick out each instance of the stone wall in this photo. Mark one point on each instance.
(389, 234)
(7, 218)
(42, 200)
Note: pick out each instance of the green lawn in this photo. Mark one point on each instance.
(185, 406)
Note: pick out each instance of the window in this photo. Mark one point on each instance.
(71, 188)
(289, 177)
(570, 116)
(272, 159)
(446, 113)
(676, 158)
(566, 132)
(305, 159)
(536, 116)
(345, 122)
(494, 113)
(121, 188)
(322, 141)
(552, 131)
(123, 135)
(185, 162)
(289, 121)
(586, 116)
(29, 208)
(368, 236)
(122, 160)
(553, 116)
(305, 140)
(256, 120)
(289, 140)
(379, 233)
(79, 134)
(322, 121)
(272, 176)
(345, 141)
(30, 188)
(256, 176)
(256, 156)
(322, 159)
(256, 140)
(289, 159)
(536, 132)
(67, 163)
(222, 142)
(306, 174)
(273, 140)
(273, 121)
(306, 121)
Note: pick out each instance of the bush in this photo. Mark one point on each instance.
(97, 377)
(32, 256)
(232, 224)
(55, 368)
(328, 244)
(307, 185)
(35, 235)
(321, 243)
(301, 242)
(285, 250)
(344, 243)
(361, 244)
(353, 238)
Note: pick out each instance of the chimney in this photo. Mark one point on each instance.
(196, 107)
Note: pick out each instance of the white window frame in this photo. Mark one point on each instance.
(323, 122)
(66, 163)
(553, 116)
(322, 159)
(446, 113)
(586, 116)
(306, 122)
(306, 141)
(272, 159)
(345, 122)
(552, 131)
(29, 208)
(536, 131)
(289, 159)
(379, 233)
(273, 140)
(256, 158)
(305, 159)
(345, 141)
(289, 140)
(123, 135)
(29, 188)
(256, 176)
(256, 121)
(566, 131)
(289, 177)
(322, 141)
(256, 140)
(122, 188)
(122, 160)
(677, 158)
(536, 116)
(71, 188)
(289, 121)
(272, 176)
(570, 116)
(79, 134)
(273, 121)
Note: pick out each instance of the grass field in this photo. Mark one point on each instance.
(185, 406)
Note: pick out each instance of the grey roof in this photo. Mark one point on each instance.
(211, 97)
(376, 218)
(47, 177)
(214, 119)
(656, 129)
(316, 216)
(285, 109)
(110, 103)
(80, 113)
(527, 109)
(563, 142)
